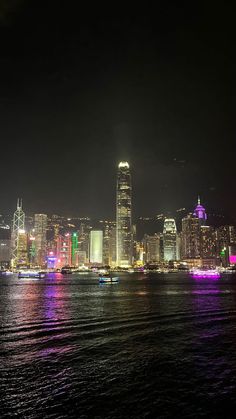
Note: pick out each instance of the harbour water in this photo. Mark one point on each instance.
(153, 345)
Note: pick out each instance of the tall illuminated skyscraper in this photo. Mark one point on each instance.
(74, 248)
(40, 230)
(22, 249)
(64, 250)
(18, 226)
(123, 216)
(169, 239)
(190, 246)
(96, 247)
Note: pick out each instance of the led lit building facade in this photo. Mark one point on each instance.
(40, 234)
(169, 239)
(207, 242)
(18, 227)
(123, 216)
(96, 247)
(112, 247)
(190, 237)
(151, 249)
(5, 247)
(106, 246)
(74, 249)
(22, 249)
(64, 250)
(200, 213)
(5, 244)
(225, 237)
(83, 242)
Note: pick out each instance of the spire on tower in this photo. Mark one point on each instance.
(19, 203)
(198, 200)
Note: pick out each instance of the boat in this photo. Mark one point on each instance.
(205, 273)
(66, 271)
(5, 272)
(108, 278)
(31, 274)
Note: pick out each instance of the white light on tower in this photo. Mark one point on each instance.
(96, 246)
(123, 216)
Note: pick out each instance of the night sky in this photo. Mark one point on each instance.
(82, 89)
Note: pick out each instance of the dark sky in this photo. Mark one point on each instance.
(81, 89)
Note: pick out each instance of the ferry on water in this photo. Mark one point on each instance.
(204, 273)
(31, 274)
(107, 278)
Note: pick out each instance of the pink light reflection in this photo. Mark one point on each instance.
(232, 259)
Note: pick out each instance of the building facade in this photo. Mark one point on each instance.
(124, 240)
(151, 247)
(18, 227)
(190, 237)
(169, 239)
(96, 247)
(40, 234)
(64, 250)
(207, 242)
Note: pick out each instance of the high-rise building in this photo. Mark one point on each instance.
(96, 247)
(169, 239)
(22, 249)
(225, 237)
(200, 213)
(207, 242)
(151, 248)
(40, 232)
(123, 216)
(74, 249)
(81, 258)
(5, 246)
(83, 240)
(190, 237)
(106, 246)
(64, 250)
(18, 225)
(112, 247)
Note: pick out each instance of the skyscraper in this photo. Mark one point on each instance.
(207, 242)
(190, 239)
(74, 249)
(40, 230)
(151, 248)
(18, 226)
(169, 239)
(96, 247)
(64, 250)
(123, 216)
(200, 212)
(22, 248)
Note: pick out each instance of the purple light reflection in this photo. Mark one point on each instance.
(206, 276)
(209, 274)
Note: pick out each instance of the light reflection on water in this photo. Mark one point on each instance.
(153, 345)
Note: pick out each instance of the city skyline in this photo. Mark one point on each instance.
(57, 242)
(118, 210)
(215, 213)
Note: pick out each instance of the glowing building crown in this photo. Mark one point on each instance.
(200, 211)
(123, 164)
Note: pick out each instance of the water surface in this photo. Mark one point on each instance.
(155, 345)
